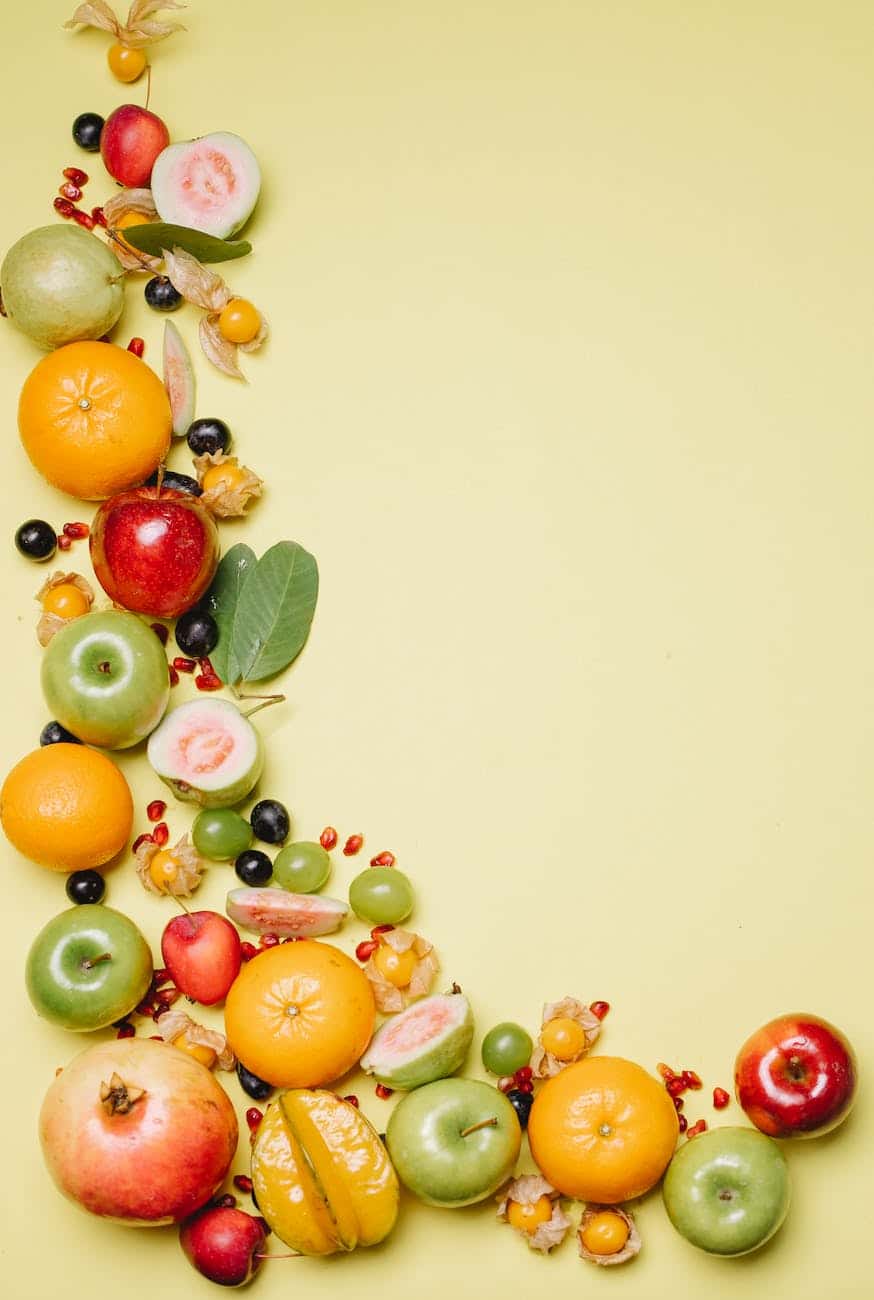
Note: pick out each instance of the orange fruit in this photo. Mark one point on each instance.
(67, 807)
(94, 419)
(603, 1130)
(300, 1014)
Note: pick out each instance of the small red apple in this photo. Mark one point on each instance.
(224, 1244)
(130, 141)
(796, 1076)
(202, 952)
(154, 550)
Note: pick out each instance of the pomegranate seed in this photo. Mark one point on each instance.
(700, 1127)
(98, 216)
(380, 929)
(183, 665)
(70, 191)
(161, 834)
(353, 846)
(506, 1082)
(83, 218)
(328, 838)
(675, 1086)
(145, 1008)
(64, 543)
(384, 859)
(126, 1031)
(248, 950)
(76, 530)
(166, 997)
(160, 631)
(527, 1085)
(145, 838)
(253, 1118)
(665, 1071)
(174, 676)
(156, 810)
(599, 1009)
(692, 1080)
(161, 976)
(156, 1038)
(683, 1122)
(383, 1092)
(366, 949)
(678, 1103)
(269, 940)
(137, 346)
(226, 1202)
(524, 1074)
(208, 682)
(76, 175)
(64, 207)
(206, 666)
(352, 1100)
(720, 1098)
(243, 1183)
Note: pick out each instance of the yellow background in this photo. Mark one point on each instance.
(569, 391)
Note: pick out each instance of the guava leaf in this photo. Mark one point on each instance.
(153, 236)
(222, 601)
(274, 611)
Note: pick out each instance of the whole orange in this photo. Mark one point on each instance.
(94, 419)
(67, 807)
(603, 1130)
(300, 1015)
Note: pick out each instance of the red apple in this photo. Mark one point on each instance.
(154, 550)
(224, 1244)
(130, 141)
(202, 952)
(796, 1076)
(136, 1131)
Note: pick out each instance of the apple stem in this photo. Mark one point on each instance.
(94, 961)
(491, 1122)
(295, 1254)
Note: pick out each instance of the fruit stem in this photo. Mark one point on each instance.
(89, 962)
(148, 85)
(294, 1254)
(266, 701)
(491, 1122)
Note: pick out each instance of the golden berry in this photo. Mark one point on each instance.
(563, 1038)
(240, 321)
(66, 600)
(396, 967)
(528, 1218)
(126, 64)
(605, 1233)
(163, 868)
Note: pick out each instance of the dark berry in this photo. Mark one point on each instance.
(86, 131)
(36, 539)
(85, 887)
(521, 1103)
(270, 821)
(177, 482)
(252, 1086)
(54, 734)
(196, 633)
(207, 436)
(161, 295)
(253, 867)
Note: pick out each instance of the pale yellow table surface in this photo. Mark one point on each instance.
(569, 391)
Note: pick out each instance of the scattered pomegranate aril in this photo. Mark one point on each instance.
(721, 1098)
(156, 810)
(137, 346)
(665, 1071)
(75, 175)
(506, 1082)
(64, 543)
(248, 950)
(145, 1008)
(226, 1202)
(381, 929)
(526, 1086)
(599, 1009)
(269, 940)
(366, 949)
(383, 1092)
(328, 838)
(98, 216)
(126, 1031)
(70, 191)
(700, 1127)
(76, 530)
(524, 1074)
(352, 1100)
(384, 859)
(683, 1123)
(253, 1118)
(675, 1086)
(161, 632)
(166, 997)
(161, 976)
(183, 665)
(83, 218)
(145, 838)
(208, 682)
(679, 1103)
(64, 207)
(353, 846)
(692, 1080)
(243, 1183)
(173, 675)
(161, 834)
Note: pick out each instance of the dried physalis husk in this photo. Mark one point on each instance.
(388, 997)
(543, 1064)
(207, 290)
(138, 203)
(528, 1190)
(228, 486)
(50, 622)
(139, 29)
(176, 1025)
(188, 863)
(628, 1251)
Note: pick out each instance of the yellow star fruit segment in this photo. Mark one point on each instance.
(322, 1177)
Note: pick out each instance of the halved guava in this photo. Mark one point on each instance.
(428, 1041)
(178, 379)
(208, 753)
(276, 911)
(210, 184)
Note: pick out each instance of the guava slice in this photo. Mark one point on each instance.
(60, 284)
(428, 1041)
(210, 184)
(179, 379)
(207, 753)
(276, 911)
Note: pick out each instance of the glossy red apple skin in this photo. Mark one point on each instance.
(202, 952)
(797, 1076)
(154, 1165)
(130, 141)
(224, 1244)
(154, 551)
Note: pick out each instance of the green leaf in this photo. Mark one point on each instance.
(153, 236)
(222, 600)
(274, 611)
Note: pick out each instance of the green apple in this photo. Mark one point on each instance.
(454, 1142)
(105, 678)
(88, 967)
(727, 1191)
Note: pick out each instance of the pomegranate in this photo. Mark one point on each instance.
(137, 1131)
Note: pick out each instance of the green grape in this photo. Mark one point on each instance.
(506, 1048)
(382, 895)
(302, 867)
(221, 834)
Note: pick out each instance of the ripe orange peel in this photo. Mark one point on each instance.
(387, 996)
(543, 1064)
(528, 1190)
(49, 622)
(629, 1250)
(188, 862)
(139, 29)
(174, 1025)
(207, 290)
(229, 495)
(125, 203)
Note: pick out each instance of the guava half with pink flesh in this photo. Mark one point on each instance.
(210, 184)
(207, 753)
(179, 379)
(292, 916)
(428, 1041)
